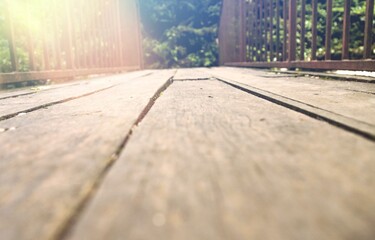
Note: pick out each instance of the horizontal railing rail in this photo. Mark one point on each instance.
(307, 34)
(47, 39)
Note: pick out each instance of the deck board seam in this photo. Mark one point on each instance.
(12, 115)
(69, 225)
(192, 79)
(36, 91)
(364, 134)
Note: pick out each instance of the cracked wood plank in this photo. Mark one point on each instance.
(11, 106)
(213, 162)
(55, 157)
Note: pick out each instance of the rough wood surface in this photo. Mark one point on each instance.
(350, 103)
(51, 159)
(186, 74)
(22, 102)
(212, 162)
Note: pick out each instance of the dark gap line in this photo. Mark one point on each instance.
(300, 102)
(12, 115)
(18, 95)
(34, 92)
(192, 79)
(307, 104)
(316, 116)
(71, 222)
(330, 77)
(359, 91)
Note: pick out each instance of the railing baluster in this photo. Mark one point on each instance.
(56, 33)
(266, 40)
(10, 37)
(261, 29)
(368, 28)
(271, 30)
(69, 42)
(242, 33)
(285, 19)
(118, 33)
(258, 40)
(248, 32)
(273, 42)
(92, 43)
(30, 41)
(292, 30)
(303, 29)
(277, 30)
(107, 36)
(46, 51)
(328, 30)
(253, 33)
(314, 28)
(97, 43)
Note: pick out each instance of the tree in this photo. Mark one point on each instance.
(180, 33)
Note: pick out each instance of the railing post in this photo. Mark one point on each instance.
(292, 30)
(368, 28)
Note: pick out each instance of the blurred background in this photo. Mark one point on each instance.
(175, 33)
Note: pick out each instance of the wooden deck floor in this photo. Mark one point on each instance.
(201, 154)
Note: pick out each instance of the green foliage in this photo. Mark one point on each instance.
(357, 20)
(180, 33)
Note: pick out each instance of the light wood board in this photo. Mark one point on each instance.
(351, 104)
(52, 159)
(185, 74)
(212, 162)
(20, 103)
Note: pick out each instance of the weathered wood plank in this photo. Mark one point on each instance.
(11, 106)
(349, 103)
(213, 162)
(52, 159)
(191, 74)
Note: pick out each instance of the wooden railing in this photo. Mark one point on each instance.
(297, 34)
(44, 39)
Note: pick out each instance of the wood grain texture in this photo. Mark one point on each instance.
(23, 103)
(352, 99)
(348, 102)
(51, 159)
(212, 162)
(184, 74)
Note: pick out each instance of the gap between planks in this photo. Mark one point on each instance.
(342, 122)
(75, 218)
(72, 222)
(28, 110)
